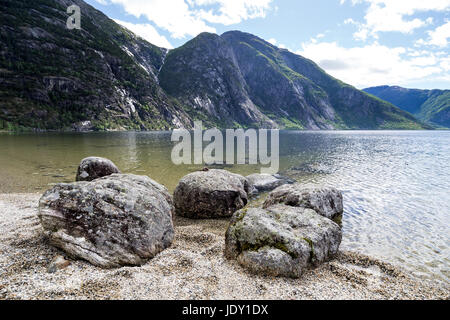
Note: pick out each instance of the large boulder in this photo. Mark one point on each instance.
(211, 194)
(267, 182)
(112, 221)
(281, 240)
(326, 201)
(95, 167)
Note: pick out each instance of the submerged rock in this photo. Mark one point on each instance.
(267, 182)
(281, 240)
(112, 221)
(95, 167)
(211, 194)
(326, 201)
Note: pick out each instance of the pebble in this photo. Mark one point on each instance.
(193, 267)
(58, 263)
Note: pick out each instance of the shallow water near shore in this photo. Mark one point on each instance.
(396, 184)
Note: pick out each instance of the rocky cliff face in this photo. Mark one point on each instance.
(288, 97)
(432, 106)
(104, 77)
(204, 76)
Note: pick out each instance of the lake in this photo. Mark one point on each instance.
(396, 184)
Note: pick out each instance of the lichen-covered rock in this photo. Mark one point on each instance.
(95, 167)
(112, 221)
(326, 201)
(211, 194)
(266, 182)
(281, 240)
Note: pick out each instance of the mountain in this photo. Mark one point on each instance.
(240, 74)
(104, 77)
(431, 106)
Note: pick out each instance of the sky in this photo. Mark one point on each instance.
(361, 42)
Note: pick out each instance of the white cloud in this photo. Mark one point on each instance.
(190, 17)
(440, 36)
(375, 64)
(394, 15)
(350, 21)
(274, 42)
(174, 16)
(147, 32)
(362, 34)
(316, 38)
(445, 64)
(232, 11)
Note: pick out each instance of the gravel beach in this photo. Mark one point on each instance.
(192, 268)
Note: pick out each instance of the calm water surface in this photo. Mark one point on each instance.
(396, 184)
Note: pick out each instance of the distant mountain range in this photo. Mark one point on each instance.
(431, 106)
(104, 77)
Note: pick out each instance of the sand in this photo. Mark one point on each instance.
(192, 268)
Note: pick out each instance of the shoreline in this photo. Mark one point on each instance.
(192, 268)
(32, 131)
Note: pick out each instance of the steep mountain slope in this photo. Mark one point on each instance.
(238, 73)
(436, 109)
(432, 106)
(286, 96)
(203, 75)
(102, 76)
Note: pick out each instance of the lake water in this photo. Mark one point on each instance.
(396, 185)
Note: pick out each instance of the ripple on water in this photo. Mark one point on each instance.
(396, 184)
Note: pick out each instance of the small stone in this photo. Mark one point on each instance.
(266, 182)
(95, 167)
(58, 263)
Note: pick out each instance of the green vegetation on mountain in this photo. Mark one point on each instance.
(103, 77)
(238, 77)
(430, 106)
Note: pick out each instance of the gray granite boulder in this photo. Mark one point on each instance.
(326, 201)
(110, 222)
(95, 167)
(267, 182)
(211, 194)
(281, 240)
